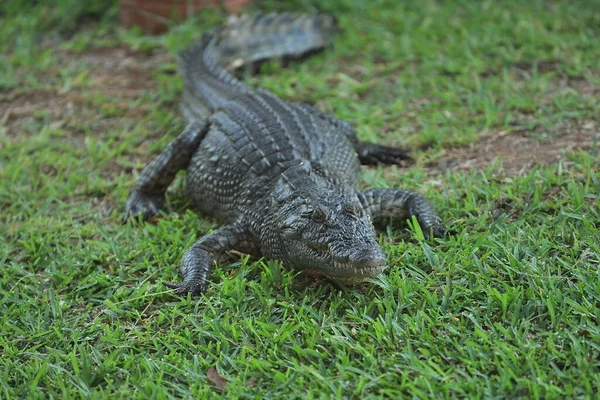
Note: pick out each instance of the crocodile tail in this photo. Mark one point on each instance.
(205, 83)
(244, 41)
(247, 40)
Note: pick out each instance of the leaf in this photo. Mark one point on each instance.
(251, 382)
(213, 376)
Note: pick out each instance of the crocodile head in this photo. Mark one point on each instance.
(323, 229)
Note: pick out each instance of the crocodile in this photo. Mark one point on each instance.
(282, 177)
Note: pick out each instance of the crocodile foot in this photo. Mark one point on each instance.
(143, 204)
(438, 231)
(375, 154)
(183, 288)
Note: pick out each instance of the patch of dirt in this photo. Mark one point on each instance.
(519, 151)
(561, 82)
(543, 67)
(525, 69)
(578, 85)
(123, 70)
(119, 74)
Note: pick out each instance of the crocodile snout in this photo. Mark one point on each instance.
(368, 259)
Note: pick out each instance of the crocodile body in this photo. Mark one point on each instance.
(282, 177)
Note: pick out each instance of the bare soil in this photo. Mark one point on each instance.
(117, 73)
(519, 151)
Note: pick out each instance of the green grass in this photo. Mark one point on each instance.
(507, 308)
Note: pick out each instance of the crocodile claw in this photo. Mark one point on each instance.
(184, 288)
(374, 154)
(439, 231)
(143, 204)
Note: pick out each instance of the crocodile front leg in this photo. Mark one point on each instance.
(398, 203)
(148, 195)
(198, 259)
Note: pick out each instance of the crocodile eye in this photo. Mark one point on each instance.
(352, 209)
(318, 215)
